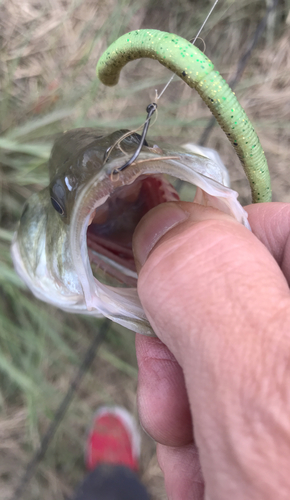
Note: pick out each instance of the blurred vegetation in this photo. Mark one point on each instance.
(49, 52)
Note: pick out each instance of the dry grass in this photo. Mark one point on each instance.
(47, 79)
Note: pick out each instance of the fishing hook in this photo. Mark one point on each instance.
(151, 108)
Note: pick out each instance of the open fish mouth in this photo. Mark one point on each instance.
(111, 228)
(81, 258)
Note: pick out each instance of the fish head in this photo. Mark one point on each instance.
(73, 246)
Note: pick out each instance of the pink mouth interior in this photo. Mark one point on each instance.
(111, 230)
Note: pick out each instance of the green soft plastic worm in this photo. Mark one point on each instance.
(190, 64)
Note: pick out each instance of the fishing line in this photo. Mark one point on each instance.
(118, 142)
(87, 361)
(193, 42)
(204, 44)
(151, 108)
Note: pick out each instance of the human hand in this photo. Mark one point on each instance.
(214, 387)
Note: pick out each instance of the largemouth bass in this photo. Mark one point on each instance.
(73, 246)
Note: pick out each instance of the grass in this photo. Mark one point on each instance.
(48, 84)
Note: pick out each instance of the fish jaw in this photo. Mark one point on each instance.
(53, 258)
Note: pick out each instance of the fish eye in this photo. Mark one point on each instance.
(57, 206)
(58, 193)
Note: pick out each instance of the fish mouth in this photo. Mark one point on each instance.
(86, 264)
(103, 221)
(111, 228)
(107, 212)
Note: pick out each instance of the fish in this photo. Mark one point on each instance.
(73, 244)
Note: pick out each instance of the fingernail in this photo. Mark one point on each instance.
(153, 226)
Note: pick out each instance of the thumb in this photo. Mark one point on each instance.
(205, 273)
(218, 300)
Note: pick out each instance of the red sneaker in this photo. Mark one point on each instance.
(113, 438)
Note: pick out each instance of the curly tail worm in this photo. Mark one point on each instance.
(190, 64)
